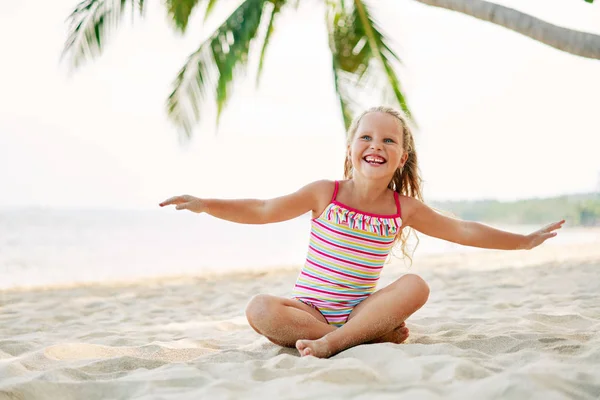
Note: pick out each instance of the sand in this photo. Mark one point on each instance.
(498, 325)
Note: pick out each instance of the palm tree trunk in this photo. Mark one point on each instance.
(578, 43)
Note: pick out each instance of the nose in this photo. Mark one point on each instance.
(376, 145)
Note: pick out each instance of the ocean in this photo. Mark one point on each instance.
(50, 247)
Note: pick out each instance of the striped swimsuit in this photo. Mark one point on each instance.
(346, 253)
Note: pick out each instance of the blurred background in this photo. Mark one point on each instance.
(506, 130)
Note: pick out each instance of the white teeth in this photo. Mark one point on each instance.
(378, 160)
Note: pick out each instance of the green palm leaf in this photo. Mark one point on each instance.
(180, 11)
(344, 62)
(190, 86)
(380, 51)
(277, 5)
(361, 58)
(209, 8)
(346, 104)
(219, 58)
(90, 25)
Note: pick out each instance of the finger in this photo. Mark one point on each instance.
(172, 200)
(169, 201)
(182, 206)
(554, 226)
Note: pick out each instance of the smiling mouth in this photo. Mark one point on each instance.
(374, 160)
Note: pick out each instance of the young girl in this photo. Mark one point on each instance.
(356, 223)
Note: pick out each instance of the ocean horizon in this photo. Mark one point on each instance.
(54, 247)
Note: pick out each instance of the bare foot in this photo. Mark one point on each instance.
(398, 335)
(317, 348)
(320, 348)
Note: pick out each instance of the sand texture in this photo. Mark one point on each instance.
(518, 325)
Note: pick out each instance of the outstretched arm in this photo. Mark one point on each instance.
(256, 211)
(469, 233)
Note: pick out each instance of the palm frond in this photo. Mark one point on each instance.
(214, 65)
(381, 51)
(190, 87)
(277, 5)
(136, 6)
(180, 11)
(362, 60)
(345, 64)
(90, 25)
(344, 97)
(231, 44)
(209, 8)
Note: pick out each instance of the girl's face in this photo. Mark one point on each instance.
(376, 150)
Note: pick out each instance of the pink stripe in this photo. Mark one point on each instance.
(326, 305)
(327, 292)
(344, 268)
(345, 248)
(352, 236)
(342, 260)
(359, 279)
(325, 281)
(363, 212)
(314, 248)
(313, 300)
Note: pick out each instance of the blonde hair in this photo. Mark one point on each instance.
(407, 179)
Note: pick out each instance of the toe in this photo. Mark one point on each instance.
(303, 348)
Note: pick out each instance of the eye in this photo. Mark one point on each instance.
(365, 137)
(388, 140)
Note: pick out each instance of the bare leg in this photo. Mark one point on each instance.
(381, 313)
(283, 321)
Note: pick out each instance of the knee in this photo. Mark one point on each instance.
(418, 286)
(258, 308)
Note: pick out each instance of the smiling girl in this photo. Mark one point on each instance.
(355, 224)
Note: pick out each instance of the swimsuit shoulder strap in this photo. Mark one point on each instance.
(397, 199)
(335, 191)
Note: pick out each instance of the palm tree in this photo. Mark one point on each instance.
(360, 52)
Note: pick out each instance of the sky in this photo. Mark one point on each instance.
(500, 115)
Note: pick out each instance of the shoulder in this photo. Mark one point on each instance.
(321, 193)
(410, 206)
(321, 189)
(409, 201)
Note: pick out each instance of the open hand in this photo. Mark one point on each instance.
(540, 236)
(185, 202)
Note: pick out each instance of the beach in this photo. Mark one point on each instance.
(509, 325)
(110, 291)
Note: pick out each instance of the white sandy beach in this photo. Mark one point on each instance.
(498, 325)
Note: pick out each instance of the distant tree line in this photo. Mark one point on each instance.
(578, 210)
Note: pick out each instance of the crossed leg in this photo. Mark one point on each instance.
(379, 318)
(283, 321)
